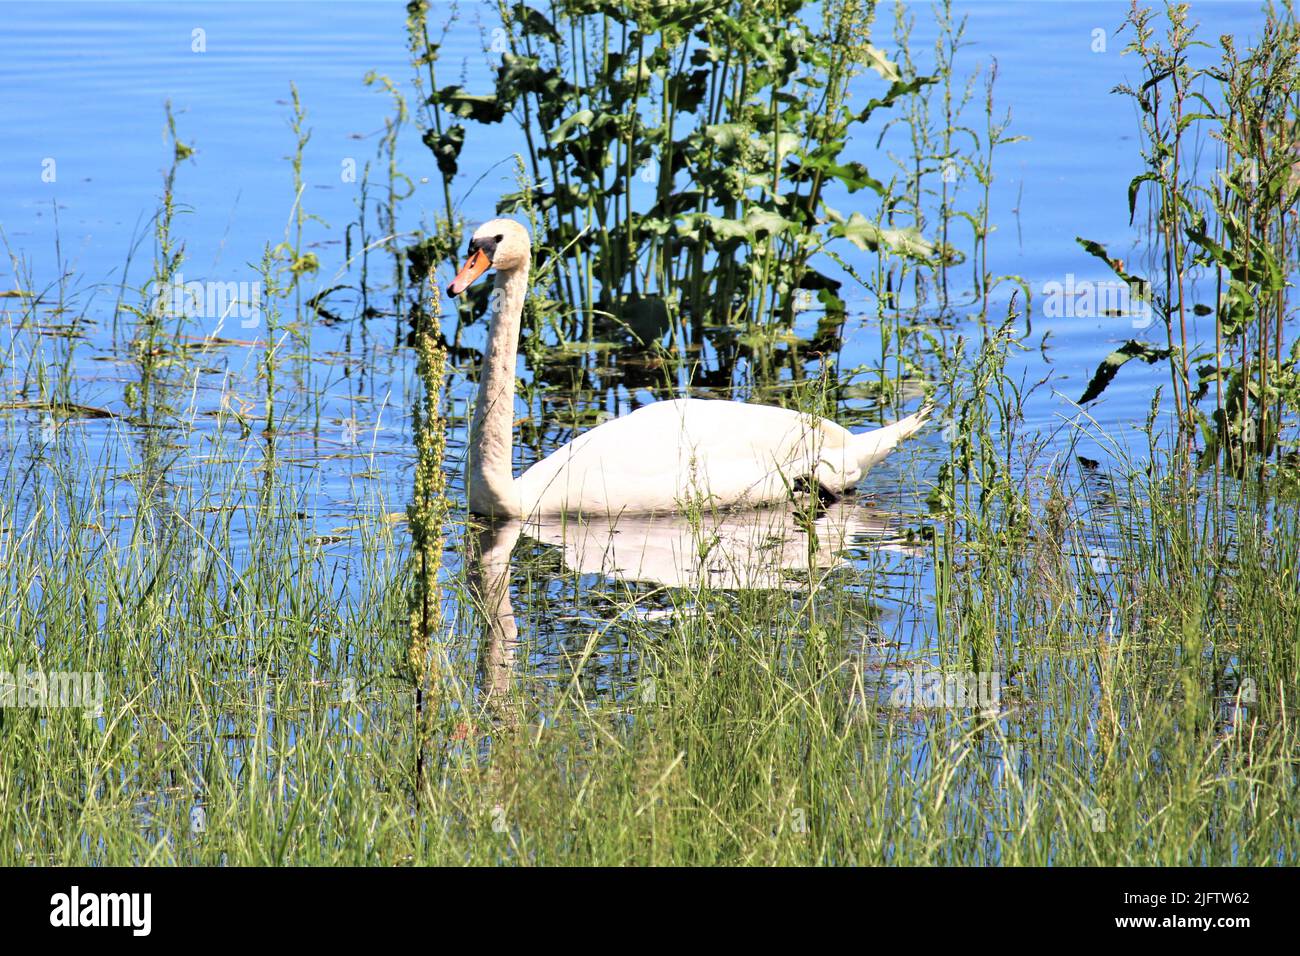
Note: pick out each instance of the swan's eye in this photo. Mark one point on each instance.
(498, 239)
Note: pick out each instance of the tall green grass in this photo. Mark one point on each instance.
(1148, 708)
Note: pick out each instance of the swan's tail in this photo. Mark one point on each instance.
(872, 447)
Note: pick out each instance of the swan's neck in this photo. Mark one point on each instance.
(491, 438)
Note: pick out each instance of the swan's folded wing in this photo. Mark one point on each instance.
(670, 455)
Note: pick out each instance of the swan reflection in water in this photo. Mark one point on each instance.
(764, 549)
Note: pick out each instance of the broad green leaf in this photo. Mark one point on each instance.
(1133, 192)
(728, 135)
(869, 237)
(876, 59)
(1110, 367)
(481, 109)
(1095, 248)
(580, 118)
(534, 23)
(445, 148)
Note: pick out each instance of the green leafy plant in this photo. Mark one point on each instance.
(1234, 229)
(683, 156)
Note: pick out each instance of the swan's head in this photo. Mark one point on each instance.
(500, 244)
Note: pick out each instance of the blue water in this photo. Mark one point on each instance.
(85, 85)
(83, 154)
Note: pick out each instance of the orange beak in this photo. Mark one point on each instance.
(477, 264)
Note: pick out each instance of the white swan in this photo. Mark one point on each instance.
(665, 457)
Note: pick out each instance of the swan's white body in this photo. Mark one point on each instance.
(673, 455)
(665, 457)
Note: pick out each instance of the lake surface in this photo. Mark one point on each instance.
(85, 87)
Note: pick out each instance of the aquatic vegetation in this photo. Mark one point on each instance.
(1223, 239)
(710, 197)
(247, 618)
(426, 515)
